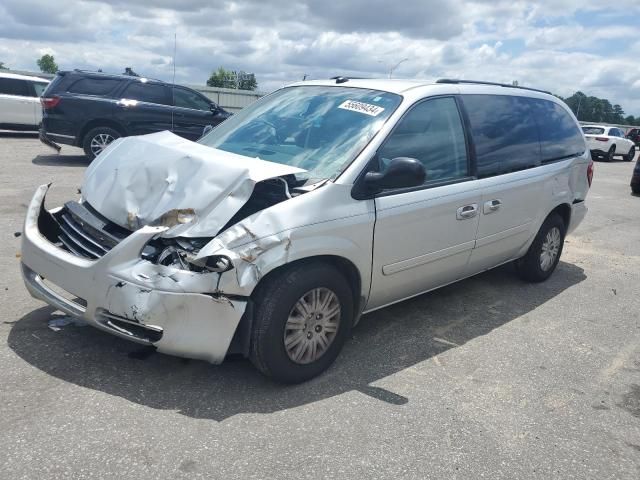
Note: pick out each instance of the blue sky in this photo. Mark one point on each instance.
(557, 45)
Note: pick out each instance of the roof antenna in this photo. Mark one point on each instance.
(173, 83)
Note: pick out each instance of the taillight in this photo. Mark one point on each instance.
(602, 139)
(50, 102)
(590, 173)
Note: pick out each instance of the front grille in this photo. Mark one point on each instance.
(86, 233)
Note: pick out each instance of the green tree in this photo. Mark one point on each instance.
(618, 114)
(47, 64)
(594, 109)
(222, 79)
(246, 81)
(2, 65)
(239, 80)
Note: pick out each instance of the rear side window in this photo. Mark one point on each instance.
(560, 137)
(39, 87)
(14, 86)
(504, 132)
(93, 86)
(593, 130)
(147, 92)
(432, 133)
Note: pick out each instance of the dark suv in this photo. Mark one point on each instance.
(91, 109)
(634, 136)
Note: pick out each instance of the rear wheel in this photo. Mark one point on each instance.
(544, 253)
(632, 153)
(97, 139)
(303, 316)
(610, 154)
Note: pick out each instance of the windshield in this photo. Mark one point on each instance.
(319, 129)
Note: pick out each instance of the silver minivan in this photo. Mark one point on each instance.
(273, 234)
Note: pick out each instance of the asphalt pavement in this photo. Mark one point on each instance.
(488, 378)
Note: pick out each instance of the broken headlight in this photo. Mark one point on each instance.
(181, 253)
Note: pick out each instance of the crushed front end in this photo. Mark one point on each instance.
(131, 284)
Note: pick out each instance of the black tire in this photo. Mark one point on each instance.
(530, 267)
(632, 153)
(274, 303)
(95, 136)
(610, 154)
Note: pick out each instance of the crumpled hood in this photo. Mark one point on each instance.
(137, 179)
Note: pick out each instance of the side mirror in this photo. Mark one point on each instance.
(214, 108)
(402, 172)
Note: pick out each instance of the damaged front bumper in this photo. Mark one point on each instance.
(172, 309)
(44, 138)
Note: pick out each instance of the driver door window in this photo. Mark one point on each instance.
(188, 99)
(432, 133)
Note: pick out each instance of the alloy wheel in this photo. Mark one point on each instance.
(312, 325)
(550, 248)
(100, 142)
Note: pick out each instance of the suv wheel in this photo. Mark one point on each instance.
(544, 253)
(610, 154)
(303, 316)
(632, 153)
(97, 139)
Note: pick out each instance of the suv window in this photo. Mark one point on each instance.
(560, 137)
(189, 99)
(93, 86)
(504, 132)
(432, 133)
(14, 86)
(147, 92)
(39, 87)
(593, 130)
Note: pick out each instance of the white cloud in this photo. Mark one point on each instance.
(541, 44)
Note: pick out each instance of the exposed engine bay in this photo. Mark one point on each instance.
(81, 230)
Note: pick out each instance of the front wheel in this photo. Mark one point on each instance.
(544, 253)
(303, 316)
(632, 153)
(97, 139)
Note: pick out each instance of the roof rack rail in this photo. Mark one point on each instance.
(107, 74)
(343, 79)
(340, 79)
(479, 82)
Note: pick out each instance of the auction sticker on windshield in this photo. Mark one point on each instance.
(366, 108)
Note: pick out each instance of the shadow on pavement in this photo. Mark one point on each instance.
(55, 160)
(385, 342)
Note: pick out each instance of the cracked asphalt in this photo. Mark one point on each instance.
(487, 378)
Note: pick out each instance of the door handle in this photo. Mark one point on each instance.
(468, 211)
(491, 206)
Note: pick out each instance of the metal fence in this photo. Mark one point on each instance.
(228, 98)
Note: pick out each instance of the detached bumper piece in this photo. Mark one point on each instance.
(48, 142)
(117, 291)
